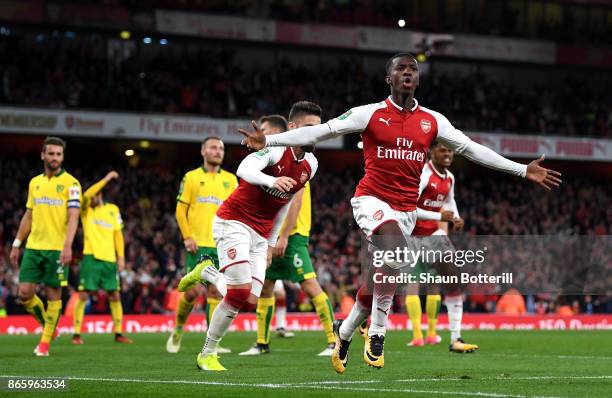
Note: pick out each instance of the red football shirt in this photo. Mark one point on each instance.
(436, 191)
(257, 205)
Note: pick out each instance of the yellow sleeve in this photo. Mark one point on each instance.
(184, 194)
(118, 220)
(30, 201)
(119, 245)
(181, 219)
(94, 189)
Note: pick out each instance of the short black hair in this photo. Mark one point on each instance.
(278, 121)
(398, 55)
(53, 141)
(437, 142)
(302, 108)
(212, 137)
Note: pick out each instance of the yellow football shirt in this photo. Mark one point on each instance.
(303, 223)
(99, 226)
(49, 200)
(204, 192)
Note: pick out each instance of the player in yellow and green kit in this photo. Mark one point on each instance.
(292, 261)
(201, 193)
(49, 225)
(103, 256)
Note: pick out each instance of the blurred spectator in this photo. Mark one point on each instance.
(154, 252)
(573, 24)
(220, 82)
(511, 303)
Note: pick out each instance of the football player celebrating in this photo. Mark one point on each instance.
(437, 193)
(292, 261)
(245, 230)
(397, 134)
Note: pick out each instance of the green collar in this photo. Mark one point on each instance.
(206, 171)
(62, 171)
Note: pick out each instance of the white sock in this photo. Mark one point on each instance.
(221, 320)
(214, 277)
(355, 318)
(454, 306)
(281, 315)
(381, 305)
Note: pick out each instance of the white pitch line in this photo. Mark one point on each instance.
(316, 385)
(459, 379)
(555, 377)
(436, 392)
(527, 356)
(587, 357)
(109, 379)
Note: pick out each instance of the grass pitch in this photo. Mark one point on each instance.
(509, 364)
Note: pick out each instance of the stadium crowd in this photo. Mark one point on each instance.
(155, 256)
(569, 25)
(79, 73)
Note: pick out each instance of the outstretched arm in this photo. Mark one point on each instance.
(480, 154)
(353, 121)
(97, 187)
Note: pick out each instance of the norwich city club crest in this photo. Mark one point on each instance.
(226, 185)
(59, 188)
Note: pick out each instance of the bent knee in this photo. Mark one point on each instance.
(236, 297)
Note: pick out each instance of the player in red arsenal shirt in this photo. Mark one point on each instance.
(437, 203)
(397, 134)
(245, 230)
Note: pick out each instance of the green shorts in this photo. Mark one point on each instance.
(43, 266)
(97, 274)
(191, 260)
(295, 266)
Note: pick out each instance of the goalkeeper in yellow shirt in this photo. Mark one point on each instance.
(201, 193)
(103, 257)
(49, 225)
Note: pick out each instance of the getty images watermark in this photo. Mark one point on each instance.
(492, 264)
(405, 258)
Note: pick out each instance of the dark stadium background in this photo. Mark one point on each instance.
(71, 56)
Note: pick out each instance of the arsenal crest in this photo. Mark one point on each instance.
(303, 177)
(231, 253)
(425, 125)
(378, 215)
